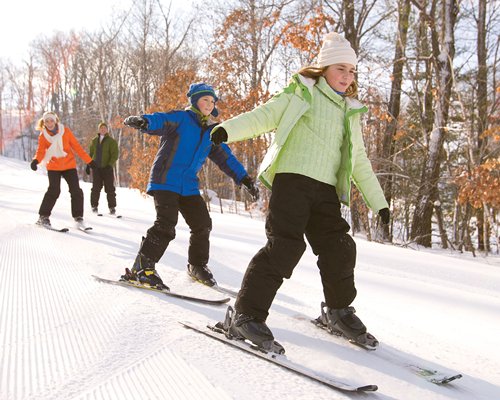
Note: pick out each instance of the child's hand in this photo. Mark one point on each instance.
(218, 135)
(136, 121)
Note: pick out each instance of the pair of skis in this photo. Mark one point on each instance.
(80, 227)
(218, 332)
(109, 215)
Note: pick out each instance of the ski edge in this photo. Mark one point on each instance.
(165, 292)
(275, 359)
(224, 290)
(85, 229)
(51, 228)
(427, 374)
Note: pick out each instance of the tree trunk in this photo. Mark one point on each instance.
(394, 104)
(482, 109)
(443, 52)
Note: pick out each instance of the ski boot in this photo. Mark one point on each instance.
(144, 272)
(112, 211)
(81, 225)
(201, 274)
(43, 220)
(244, 327)
(344, 322)
(94, 210)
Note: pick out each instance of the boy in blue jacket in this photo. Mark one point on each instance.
(184, 147)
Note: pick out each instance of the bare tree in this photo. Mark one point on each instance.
(441, 25)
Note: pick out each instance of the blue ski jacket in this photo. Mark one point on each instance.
(184, 146)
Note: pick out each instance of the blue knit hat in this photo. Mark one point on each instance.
(197, 90)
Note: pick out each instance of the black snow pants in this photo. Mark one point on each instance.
(300, 205)
(54, 190)
(195, 213)
(103, 177)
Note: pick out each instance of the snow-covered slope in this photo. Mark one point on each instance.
(64, 335)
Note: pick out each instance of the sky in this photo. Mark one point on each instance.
(64, 335)
(24, 20)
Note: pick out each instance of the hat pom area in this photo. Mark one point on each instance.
(336, 50)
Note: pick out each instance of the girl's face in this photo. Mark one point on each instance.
(49, 123)
(340, 76)
(206, 104)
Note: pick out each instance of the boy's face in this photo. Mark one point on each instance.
(103, 129)
(206, 104)
(340, 76)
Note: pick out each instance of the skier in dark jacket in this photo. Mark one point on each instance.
(104, 151)
(184, 147)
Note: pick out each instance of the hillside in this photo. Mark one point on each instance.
(64, 335)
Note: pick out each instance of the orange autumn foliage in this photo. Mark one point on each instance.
(481, 185)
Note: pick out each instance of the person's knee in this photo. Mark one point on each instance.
(54, 192)
(285, 254)
(161, 230)
(77, 193)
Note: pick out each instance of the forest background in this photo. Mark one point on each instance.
(428, 72)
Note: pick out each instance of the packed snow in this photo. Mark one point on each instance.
(63, 335)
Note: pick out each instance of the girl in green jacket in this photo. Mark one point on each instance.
(316, 151)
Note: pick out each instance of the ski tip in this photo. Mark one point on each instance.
(367, 388)
(186, 324)
(446, 380)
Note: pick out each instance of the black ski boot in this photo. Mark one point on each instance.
(112, 211)
(201, 274)
(145, 273)
(244, 327)
(344, 322)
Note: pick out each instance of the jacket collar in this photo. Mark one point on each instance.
(201, 119)
(326, 89)
(307, 85)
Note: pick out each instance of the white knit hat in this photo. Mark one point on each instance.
(49, 115)
(336, 50)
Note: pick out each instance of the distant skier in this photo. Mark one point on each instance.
(184, 147)
(56, 150)
(104, 151)
(318, 147)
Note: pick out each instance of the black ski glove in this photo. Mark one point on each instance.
(218, 136)
(34, 164)
(384, 215)
(137, 122)
(92, 164)
(251, 188)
